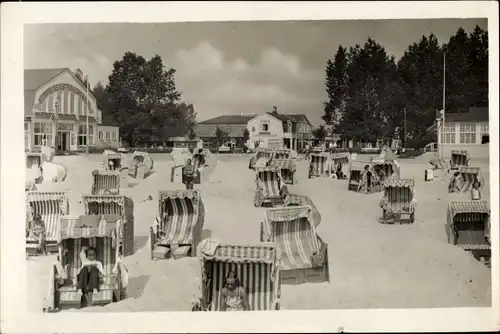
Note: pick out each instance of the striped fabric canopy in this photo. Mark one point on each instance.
(300, 200)
(105, 180)
(192, 194)
(283, 164)
(118, 199)
(87, 226)
(460, 152)
(282, 154)
(469, 175)
(268, 179)
(179, 219)
(292, 230)
(399, 183)
(260, 253)
(473, 207)
(50, 206)
(342, 157)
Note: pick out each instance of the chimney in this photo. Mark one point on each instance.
(275, 110)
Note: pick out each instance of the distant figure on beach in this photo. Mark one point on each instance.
(37, 231)
(366, 180)
(90, 272)
(475, 192)
(234, 297)
(307, 151)
(189, 174)
(111, 165)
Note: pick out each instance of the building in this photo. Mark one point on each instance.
(274, 129)
(108, 136)
(232, 129)
(55, 111)
(304, 130)
(465, 131)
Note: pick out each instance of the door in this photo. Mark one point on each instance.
(73, 142)
(66, 140)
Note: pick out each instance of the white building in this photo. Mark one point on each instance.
(272, 130)
(465, 131)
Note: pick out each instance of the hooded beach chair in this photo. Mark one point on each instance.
(287, 168)
(114, 205)
(262, 158)
(116, 158)
(387, 168)
(303, 255)
(270, 188)
(141, 165)
(466, 179)
(319, 165)
(34, 169)
(300, 200)
(255, 266)
(282, 154)
(33, 160)
(358, 177)
(178, 228)
(51, 206)
(102, 233)
(341, 159)
(459, 158)
(398, 201)
(468, 226)
(105, 182)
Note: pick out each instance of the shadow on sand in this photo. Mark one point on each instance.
(136, 286)
(140, 242)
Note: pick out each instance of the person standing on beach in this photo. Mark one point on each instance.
(188, 172)
(37, 232)
(475, 192)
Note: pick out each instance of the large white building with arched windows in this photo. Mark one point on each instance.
(55, 110)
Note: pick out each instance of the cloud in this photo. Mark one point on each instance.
(207, 77)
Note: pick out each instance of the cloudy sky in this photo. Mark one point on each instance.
(230, 67)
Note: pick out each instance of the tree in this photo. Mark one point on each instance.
(81, 77)
(220, 135)
(336, 79)
(320, 133)
(246, 135)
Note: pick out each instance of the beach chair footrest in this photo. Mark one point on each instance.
(181, 252)
(69, 300)
(161, 252)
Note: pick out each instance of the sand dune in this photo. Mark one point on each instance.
(371, 265)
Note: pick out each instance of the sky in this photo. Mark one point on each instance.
(230, 67)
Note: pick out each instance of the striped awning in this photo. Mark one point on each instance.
(105, 172)
(456, 207)
(271, 168)
(88, 226)
(399, 183)
(283, 164)
(120, 200)
(172, 194)
(288, 213)
(37, 196)
(460, 152)
(300, 200)
(262, 253)
(470, 170)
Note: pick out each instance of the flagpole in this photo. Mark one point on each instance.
(444, 100)
(87, 114)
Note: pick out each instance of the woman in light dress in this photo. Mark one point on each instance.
(234, 297)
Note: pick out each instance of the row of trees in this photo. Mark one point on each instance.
(370, 95)
(142, 99)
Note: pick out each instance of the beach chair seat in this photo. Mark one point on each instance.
(304, 256)
(178, 227)
(398, 201)
(255, 266)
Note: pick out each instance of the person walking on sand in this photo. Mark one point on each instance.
(234, 297)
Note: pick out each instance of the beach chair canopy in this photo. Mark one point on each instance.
(269, 179)
(293, 231)
(105, 181)
(287, 164)
(255, 266)
(300, 200)
(51, 206)
(142, 158)
(389, 167)
(342, 158)
(179, 213)
(469, 176)
(282, 154)
(116, 158)
(33, 159)
(459, 158)
(470, 219)
(107, 205)
(399, 195)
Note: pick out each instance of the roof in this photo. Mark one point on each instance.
(36, 78)
(282, 117)
(299, 117)
(260, 253)
(475, 114)
(204, 130)
(228, 119)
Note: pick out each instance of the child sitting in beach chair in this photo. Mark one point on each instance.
(90, 272)
(475, 192)
(37, 231)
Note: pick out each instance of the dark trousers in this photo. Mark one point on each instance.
(88, 279)
(189, 180)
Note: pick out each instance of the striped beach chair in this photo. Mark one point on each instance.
(105, 182)
(287, 168)
(358, 180)
(459, 158)
(270, 189)
(387, 168)
(114, 205)
(319, 165)
(178, 228)
(104, 236)
(341, 159)
(304, 256)
(51, 206)
(398, 201)
(141, 165)
(468, 227)
(255, 266)
(262, 158)
(111, 156)
(282, 154)
(300, 200)
(467, 177)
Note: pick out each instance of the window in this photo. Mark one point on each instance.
(484, 129)
(264, 126)
(108, 136)
(115, 137)
(101, 135)
(82, 135)
(467, 133)
(42, 130)
(26, 136)
(448, 133)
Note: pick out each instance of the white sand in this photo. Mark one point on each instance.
(371, 265)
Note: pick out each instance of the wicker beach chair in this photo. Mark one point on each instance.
(468, 227)
(270, 189)
(287, 168)
(105, 182)
(467, 177)
(111, 156)
(103, 234)
(141, 165)
(178, 228)
(358, 178)
(114, 205)
(51, 206)
(387, 168)
(262, 158)
(300, 200)
(304, 255)
(398, 202)
(319, 165)
(341, 159)
(459, 158)
(255, 266)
